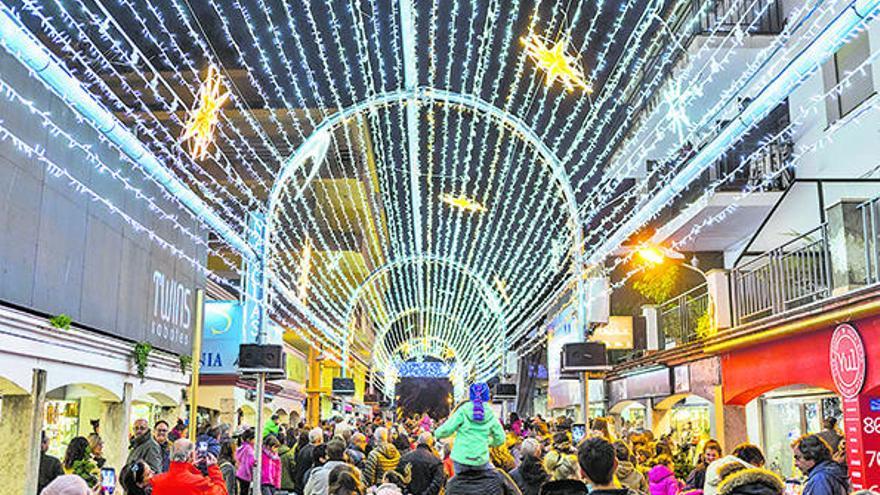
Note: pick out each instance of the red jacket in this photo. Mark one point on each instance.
(183, 478)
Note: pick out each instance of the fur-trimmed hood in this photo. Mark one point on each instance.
(753, 481)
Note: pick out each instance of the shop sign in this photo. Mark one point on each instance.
(223, 333)
(171, 309)
(616, 334)
(848, 361)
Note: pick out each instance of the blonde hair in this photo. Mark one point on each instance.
(561, 466)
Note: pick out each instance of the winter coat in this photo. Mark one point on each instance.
(631, 478)
(713, 477)
(481, 482)
(271, 428)
(318, 482)
(472, 438)
(183, 478)
(697, 478)
(144, 448)
(424, 470)
(165, 450)
(227, 468)
(662, 481)
(753, 481)
(271, 469)
(213, 444)
(50, 468)
(564, 487)
(246, 461)
(827, 478)
(529, 476)
(288, 461)
(382, 459)
(303, 464)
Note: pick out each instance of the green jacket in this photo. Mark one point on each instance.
(472, 438)
(287, 460)
(271, 428)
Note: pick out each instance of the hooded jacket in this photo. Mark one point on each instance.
(382, 459)
(753, 481)
(631, 478)
(271, 469)
(481, 482)
(246, 460)
(713, 476)
(472, 438)
(662, 481)
(827, 478)
(288, 460)
(530, 475)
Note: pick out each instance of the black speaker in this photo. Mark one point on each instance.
(584, 356)
(504, 391)
(256, 358)
(343, 386)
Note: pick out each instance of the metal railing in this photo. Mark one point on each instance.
(794, 274)
(870, 211)
(680, 317)
(725, 15)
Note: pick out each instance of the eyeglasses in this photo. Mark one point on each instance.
(162, 430)
(799, 457)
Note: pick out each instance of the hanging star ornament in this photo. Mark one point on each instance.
(556, 63)
(462, 202)
(202, 120)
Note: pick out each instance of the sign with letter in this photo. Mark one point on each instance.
(848, 368)
(616, 334)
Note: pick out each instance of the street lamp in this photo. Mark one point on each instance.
(657, 255)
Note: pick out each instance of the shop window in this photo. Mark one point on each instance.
(858, 88)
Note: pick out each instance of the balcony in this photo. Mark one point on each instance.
(790, 276)
(684, 318)
(833, 261)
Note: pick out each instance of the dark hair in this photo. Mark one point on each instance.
(248, 435)
(597, 458)
(829, 423)
(622, 451)
(335, 449)
(161, 422)
(750, 453)
(303, 439)
(813, 448)
(227, 451)
(319, 452)
(344, 480)
(77, 450)
(270, 441)
(714, 445)
(132, 476)
(601, 424)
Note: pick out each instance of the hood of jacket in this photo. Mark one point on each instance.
(752, 481)
(659, 473)
(388, 451)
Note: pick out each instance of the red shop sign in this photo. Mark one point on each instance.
(848, 361)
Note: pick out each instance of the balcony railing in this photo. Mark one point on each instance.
(680, 318)
(794, 274)
(724, 16)
(870, 211)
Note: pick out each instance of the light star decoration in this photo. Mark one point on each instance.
(462, 202)
(202, 121)
(556, 62)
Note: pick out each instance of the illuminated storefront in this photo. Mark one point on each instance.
(784, 398)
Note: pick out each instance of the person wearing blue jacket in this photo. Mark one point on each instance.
(812, 456)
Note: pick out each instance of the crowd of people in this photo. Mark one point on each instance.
(472, 452)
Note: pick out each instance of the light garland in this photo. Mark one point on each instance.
(199, 127)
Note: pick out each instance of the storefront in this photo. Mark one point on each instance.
(788, 385)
